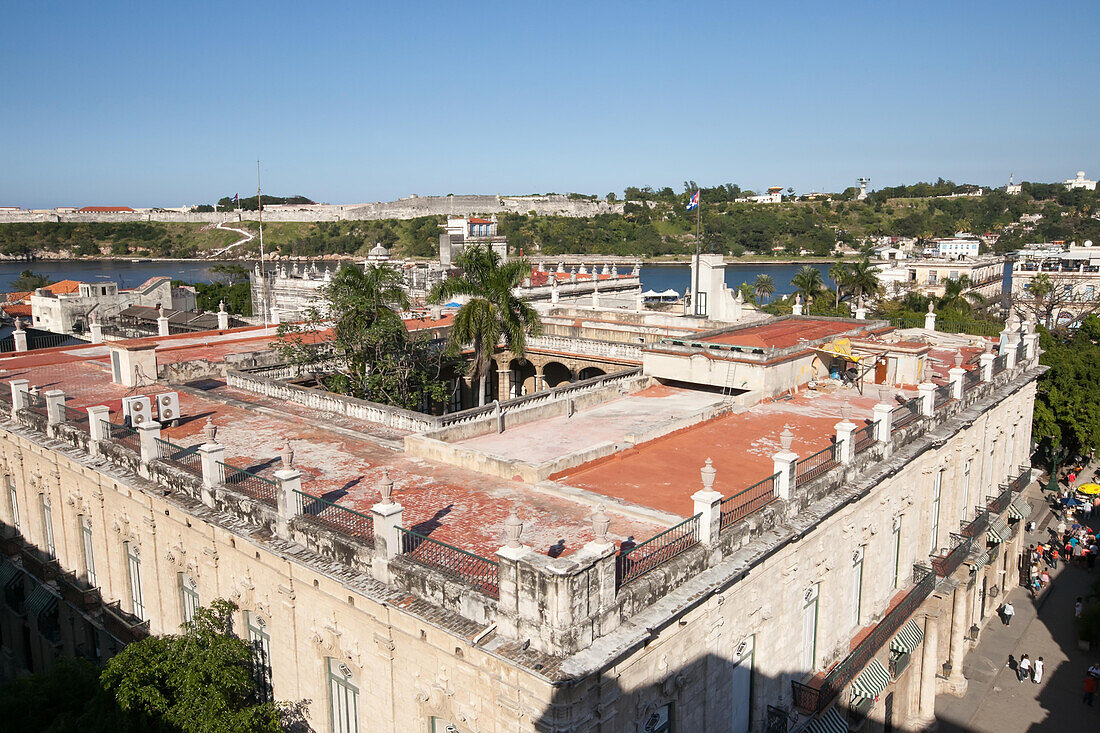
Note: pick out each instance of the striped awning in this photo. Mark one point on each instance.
(998, 530)
(1020, 508)
(907, 638)
(40, 601)
(978, 561)
(829, 721)
(871, 681)
(8, 573)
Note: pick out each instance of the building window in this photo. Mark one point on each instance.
(260, 642)
(660, 720)
(857, 586)
(47, 525)
(455, 402)
(809, 628)
(897, 551)
(14, 502)
(133, 564)
(189, 596)
(937, 482)
(742, 691)
(89, 553)
(966, 487)
(345, 698)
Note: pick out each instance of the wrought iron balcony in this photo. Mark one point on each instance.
(946, 564)
(999, 503)
(816, 696)
(976, 526)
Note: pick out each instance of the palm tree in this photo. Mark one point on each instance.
(955, 296)
(839, 273)
(492, 312)
(367, 295)
(863, 278)
(763, 287)
(808, 283)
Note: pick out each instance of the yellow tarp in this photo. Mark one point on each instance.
(839, 349)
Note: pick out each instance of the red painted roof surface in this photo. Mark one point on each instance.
(341, 459)
(664, 473)
(475, 220)
(782, 334)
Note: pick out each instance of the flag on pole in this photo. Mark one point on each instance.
(236, 198)
(694, 203)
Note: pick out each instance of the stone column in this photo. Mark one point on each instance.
(385, 518)
(97, 423)
(1031, 347)
(148, 432)
(1010, 349)
(960, 625)
(212, 456)
(162, 323)
(845, 449)
(881, 415)
(18, 395)
(20, 336)
(97, 332)
(986, 360)
(930, 318)
(927, 392)
(504, 384)
(708, 504)
(55, 405)
(783, 463)
(926, 700)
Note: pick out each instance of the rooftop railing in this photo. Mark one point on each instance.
(972, 379)
(813, 699)
(636, 561)
(78, 420)
(340, 518)
(943, 395)
(812, 466)
(246, 482)
(903, 415)
(1000, 364)
(864, 438)
(482, 573)
(187, 459)
(122, 435)
(748, 500)
(35, 403)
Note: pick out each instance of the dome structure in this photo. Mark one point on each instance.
(378, 253)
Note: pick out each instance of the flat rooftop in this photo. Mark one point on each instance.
(785, 333)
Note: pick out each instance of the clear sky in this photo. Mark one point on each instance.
(112, 103)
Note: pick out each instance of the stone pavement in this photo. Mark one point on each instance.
(995, 701)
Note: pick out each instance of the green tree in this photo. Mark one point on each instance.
(1067, 406)
(863, 278)
(763, 287)
(808, 283)
(199, 680)
(955, 295)
(28, 280)
(612, 198)
(839, 272)
(492, 313)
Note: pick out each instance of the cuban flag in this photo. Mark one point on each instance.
(694, 203)
(236, 197)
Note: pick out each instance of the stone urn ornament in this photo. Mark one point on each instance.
(386, 488)
(708, 472)
(286, 453)
(786, 438)
(600, 524)
(513, 528)
(210, 430)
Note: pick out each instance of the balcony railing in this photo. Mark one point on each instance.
(944, 565)
(976, 526)
(482, 573)
(972, 379)
(1000, 364)
(258, 487)
(748, 500)
(1000, 502)
(811, 699)
(338, 517)
(657, 550)
(123, 435)
(187, 459)
(812, 466)
(943, 395)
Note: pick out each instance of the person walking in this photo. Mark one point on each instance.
(1090, 690)
(1023, 669)
(1037, 671)
(1007, 612)
(1045, 579)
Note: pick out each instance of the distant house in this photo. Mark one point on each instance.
(1081, 182)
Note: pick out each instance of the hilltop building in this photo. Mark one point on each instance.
(71, 306)
(785, 524)
(1081, 182)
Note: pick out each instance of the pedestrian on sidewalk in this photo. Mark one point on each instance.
(1090, 689)
(1077, 607)
(1023, 669)
(1007, 612)
(1045, 579)
(1037, 671)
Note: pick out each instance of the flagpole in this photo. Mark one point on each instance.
(698, 218)
(263, 270)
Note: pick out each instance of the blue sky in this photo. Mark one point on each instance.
(171, 104)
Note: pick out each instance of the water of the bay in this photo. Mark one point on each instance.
(129, 274)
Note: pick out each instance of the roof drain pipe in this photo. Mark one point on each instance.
(488, 630)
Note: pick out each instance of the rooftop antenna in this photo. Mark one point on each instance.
(263, 272)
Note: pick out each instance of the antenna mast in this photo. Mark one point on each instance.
(263, 271)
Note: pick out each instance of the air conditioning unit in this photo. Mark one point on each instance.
(139, 409)
(168, 406)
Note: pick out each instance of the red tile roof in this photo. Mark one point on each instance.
(104, 209)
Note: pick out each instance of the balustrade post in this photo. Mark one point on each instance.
(97, 332)
(148, 433)
(930, 318)
(957, 374)
(784, 464)
(211, 456)
(55, 406)
(986, 360)
(708, 505)
(97, 426)
(1010, 351)
(288, 499)
(927, 392)
(881, 416)
(386, 520)
(845, 446)
(18, 395)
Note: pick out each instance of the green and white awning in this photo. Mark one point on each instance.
(8, 573)
(979, 561)
(998, 530)
(908, 638)
(40, 601)
(829, 721)
(871, 681)
(1020, 508)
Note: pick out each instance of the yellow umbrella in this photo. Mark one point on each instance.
(1089, 488)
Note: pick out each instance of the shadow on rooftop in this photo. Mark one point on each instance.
(430, 525)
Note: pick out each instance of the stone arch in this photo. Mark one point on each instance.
(590, 372)
(523, 377)
(555, 373)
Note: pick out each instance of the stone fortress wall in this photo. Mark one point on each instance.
(410, 207)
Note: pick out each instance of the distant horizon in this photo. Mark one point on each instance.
(376, 101)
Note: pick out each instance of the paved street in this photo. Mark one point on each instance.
(995, 700)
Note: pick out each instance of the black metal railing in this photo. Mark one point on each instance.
(657, 550)
(972, 379)
(187, 459)
(748, 500)
(904, 414)
(813, 699)
(946, 564)
(1000, 364)
(78, 420)
(123, 435)
(258, 487)
(972, 328)
(864, 438)
(943, 395)
(35, 403)
(1000, 502)
(1020, 483)
(337, 517)
(475, 570)
(976, 526)
(812, 466)
(907, 322)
